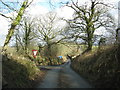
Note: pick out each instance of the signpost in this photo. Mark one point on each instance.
(34, 52)
(60, 57)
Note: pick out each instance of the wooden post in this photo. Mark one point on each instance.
(118, 30)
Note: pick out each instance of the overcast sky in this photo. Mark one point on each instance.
(42, 7)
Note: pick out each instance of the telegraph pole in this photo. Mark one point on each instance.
(119, 14)
(118, 30)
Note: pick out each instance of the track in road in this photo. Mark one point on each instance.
(64, 73)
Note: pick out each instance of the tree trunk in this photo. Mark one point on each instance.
(26, 42)
(89, 48)
(14, 24)
(49, 54)
(89, 42)
(16, 43)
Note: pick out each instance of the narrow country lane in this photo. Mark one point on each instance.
(63, 77)
(51, 79)
(70, 79)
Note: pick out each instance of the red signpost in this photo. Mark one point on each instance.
(34, 52)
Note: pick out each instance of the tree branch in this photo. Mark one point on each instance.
(8, 6)
(5, 16)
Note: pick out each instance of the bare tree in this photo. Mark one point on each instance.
(25, 34)
(49, 32)
(87, 19)
(15, 22)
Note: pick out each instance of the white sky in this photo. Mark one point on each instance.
(42, 8)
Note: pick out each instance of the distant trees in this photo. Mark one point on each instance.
(25, 33)
(49, 32)
(87, 19)
(101, 42)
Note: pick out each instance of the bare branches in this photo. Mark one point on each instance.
(6, 16)
(87, 19)
(107, 5)
(49, 30)
(7, 6)
(14, 24)
(29, 3)
(19, 39)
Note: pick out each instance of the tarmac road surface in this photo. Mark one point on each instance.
(63, 73)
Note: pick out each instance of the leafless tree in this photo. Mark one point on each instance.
(25, 33)
(87, 19)
(49, 32)
(15, 21)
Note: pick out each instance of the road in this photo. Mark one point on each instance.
(62, 77)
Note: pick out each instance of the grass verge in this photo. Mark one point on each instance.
(101, 67)
(21, 72)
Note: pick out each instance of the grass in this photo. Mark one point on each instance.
(100, 67)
